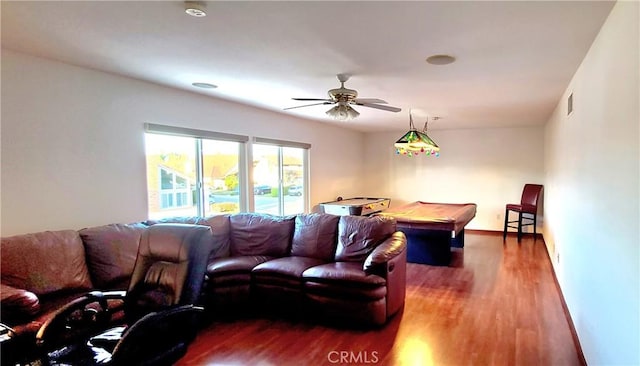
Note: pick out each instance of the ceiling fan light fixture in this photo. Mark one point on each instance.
(343, 112)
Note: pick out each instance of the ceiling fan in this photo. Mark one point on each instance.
(343, 98)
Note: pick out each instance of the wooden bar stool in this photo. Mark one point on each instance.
(528, 206)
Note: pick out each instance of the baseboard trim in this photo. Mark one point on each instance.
(565, 308)
(509, 233)
(481, 231)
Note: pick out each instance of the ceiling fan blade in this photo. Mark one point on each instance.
(308, 105)
(383, 107)
(312, 99)
(369, 100)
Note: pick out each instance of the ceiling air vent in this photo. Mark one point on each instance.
(570, 104)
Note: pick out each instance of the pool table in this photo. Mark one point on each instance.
(432, 229)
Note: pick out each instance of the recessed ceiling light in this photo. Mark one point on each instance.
(204, 85)
(440, 59)
(195, 9)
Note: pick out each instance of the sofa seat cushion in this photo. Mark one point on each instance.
(345, 280)
(49, 305)
(233, 270)
(17, 304)
(286, 271)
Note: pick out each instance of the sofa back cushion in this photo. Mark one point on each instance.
(44, 262)
(315, 236)
(111, 253)
(219, 225)
(260, 234)
(359, 235)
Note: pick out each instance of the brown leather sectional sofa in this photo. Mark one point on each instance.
(349, 267)
(40, 272)
(339, 267)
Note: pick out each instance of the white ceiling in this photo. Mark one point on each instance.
(514, 58)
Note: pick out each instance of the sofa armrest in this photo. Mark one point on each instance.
(389, 260)
(378, 260)
(17, 303)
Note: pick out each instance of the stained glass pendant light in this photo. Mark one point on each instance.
(416, 142)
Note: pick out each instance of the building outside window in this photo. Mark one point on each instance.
(175, 189)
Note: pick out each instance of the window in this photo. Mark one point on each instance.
(202, 173)
(193, 172)
(280, 177)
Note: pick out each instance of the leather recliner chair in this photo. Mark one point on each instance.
(157, 317)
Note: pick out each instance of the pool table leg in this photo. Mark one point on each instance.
(458, 240)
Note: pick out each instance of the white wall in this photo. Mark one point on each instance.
(592, 193)
(72, 155)
(488, 167)
(73, 143)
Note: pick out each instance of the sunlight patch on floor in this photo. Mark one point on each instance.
(415, 352)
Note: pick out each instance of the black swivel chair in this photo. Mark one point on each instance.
(158, 316)
(527, 209)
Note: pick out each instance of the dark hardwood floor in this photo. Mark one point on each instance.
(497, 304)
